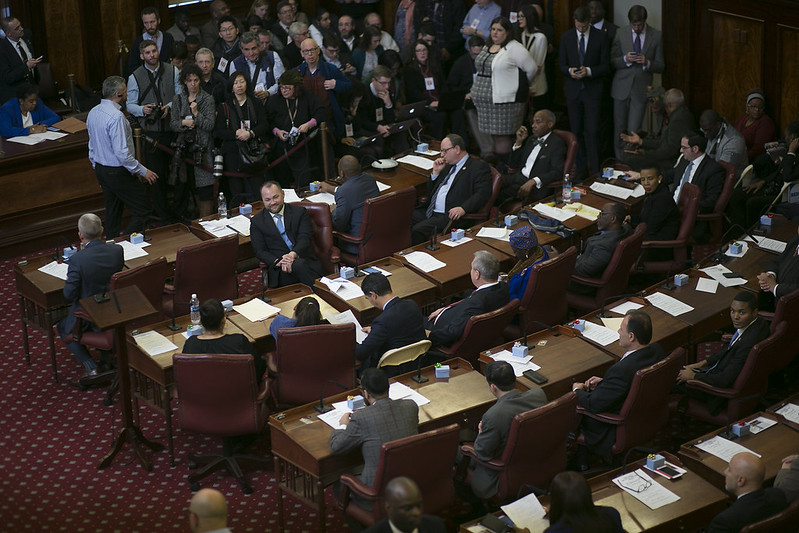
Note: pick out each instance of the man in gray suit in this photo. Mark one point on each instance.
(724, 143)
(382, 420)
(495, 425)
(637, 53)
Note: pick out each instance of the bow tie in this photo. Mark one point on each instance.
(538, 142)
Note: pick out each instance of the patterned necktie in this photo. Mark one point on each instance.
(582, 49)
(282, 230)
(432, 205)
(637, 43)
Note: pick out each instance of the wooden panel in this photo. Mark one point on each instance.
(738, 49)
(63, 35)
(789, 74)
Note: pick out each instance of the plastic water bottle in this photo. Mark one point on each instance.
(194, 306)
(222, 206)
(567, 189)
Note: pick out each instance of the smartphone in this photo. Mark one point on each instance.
(669, 471)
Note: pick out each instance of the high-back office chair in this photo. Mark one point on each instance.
(783, 522)
(323, 247)
(716, 218)
(487, 210)
(481, 332)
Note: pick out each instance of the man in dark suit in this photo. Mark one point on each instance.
(743, 478)
(494, 427)
(458, 185)
(382, 420)
(17, 60)
(376, 112)
(89, 273)
(446, 325)
(538, 160)
(599, 248)
(404, 510)
(282, 239)
(165, 41)
(584, 62)
(787, 479)
(401, 323)
(607, 395)
(782, 274)
(599, 21)
(350, 196)
(722, 368)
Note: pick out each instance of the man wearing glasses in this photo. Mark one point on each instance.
(324, 81)
(226, 48)
(376, 112)
(332, 53)
(599, 247)
(262, 69)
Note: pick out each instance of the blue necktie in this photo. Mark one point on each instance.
(734, 337)
(685, 176)
(282, 230)
(582, 49)
(637, 43)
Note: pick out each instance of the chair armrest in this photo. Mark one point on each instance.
(662, 244)
(422, 200)
(708, 216)
(82, 314)
(335, 255)
(263, 394)
(169, 288)
(494, 464)
(353, 484)
(347, 237)
(608, 418)
(767, 315)
(591, 282)
(710, 389)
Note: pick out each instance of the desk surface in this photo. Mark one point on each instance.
(405, 283)
(454, 277)
(565, 359)
(773, 444)
(166, 240)
(750, 265)
(44, 289)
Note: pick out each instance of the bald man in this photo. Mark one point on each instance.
(208, 512)
(350, 196)
(743, 479)
(404, 510)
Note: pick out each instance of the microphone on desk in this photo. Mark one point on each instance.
(358, 272)
(419, 378)
(553, 329)
(498, 222)
(641, 449)
(719, 257)
(433, 236)
(727, 433)
(144, 235)
(668, 284)
(602, 313)
(321, 408)
(59, 255)
(174, 326)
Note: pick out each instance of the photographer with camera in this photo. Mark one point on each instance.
(293, 114)
(193, 119)
(151, 89)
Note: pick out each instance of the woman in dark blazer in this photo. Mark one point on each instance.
(658, 212)
(424, 82)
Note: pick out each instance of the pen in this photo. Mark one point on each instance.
(234, 229)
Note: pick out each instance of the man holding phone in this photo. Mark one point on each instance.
(636, 54)
(17, 60)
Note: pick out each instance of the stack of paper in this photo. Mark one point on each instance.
(240, 224)
(717, 273)
(519, 364)
(348, 317)
(645, 489)
(417, 161)
(561, 215)
(790, 411)
(722, 448)
(153, 343)
(626, 306)
(343, 288)
(397, 391)
(666, 303)
(582, 210)
(322, 197)
(290, 196)
(600, 334)
(382, 186)
(765, 243)
(527, 513)
(256, 310)
(217, 228)
(54, 268)
(132, 251)
(617, 192)
(453, 244)
(424, 261)
(500, 234)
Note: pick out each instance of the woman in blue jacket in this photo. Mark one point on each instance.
(25, 114)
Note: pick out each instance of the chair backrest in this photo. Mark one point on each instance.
(47, 85)
(688, 206)
(547, 282)
(788, 310)
(218, 394)
(208, 269)
(646, 409)
(149, 278)
(783, 522)
(308, 357)
(485, 212)
(726, 190)
(570, 163)
(614, 279)
(536, 446)
(405, 354)
(387, 218)
(482, 332)
(426, 458)
(322, 235)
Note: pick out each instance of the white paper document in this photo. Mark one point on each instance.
(645, 489)
(322, 197)
(722, 448)
(617, 192)
(382, 186)
(600, 334)
(527, 513)
(54, 268)
(500, 234)
(256, 310)
(626, 306)
(348, 317)
(424, 261)
(240, 224)
(290, 196)
(48, 135)
(717, 273)
(153, 343)
(790, 411)
(398, 391)
(429, 153)
(666, 303)
(766, 243)
(612, 323)
(217, 228)
(519, 364)
(760, 423)
(417, 161)
(132, 251)
(453, 244)
(30, 140)
(561, 215)
(707, 285)
(332, 418)
(343, 288)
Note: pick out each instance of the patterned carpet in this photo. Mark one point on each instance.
(53, 436)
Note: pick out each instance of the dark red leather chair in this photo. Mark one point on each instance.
(308, 357)
(535, 450)
(689, 208)
(787, 310)
(323, 247)
(481, 332)
(220, 395)
(206, 268)
(765, 357)
(386, 222)
(543, 299)
(426, 458)
(783, 522)
(614, 279)
(716, 217)
(487, 211)
(646, 409)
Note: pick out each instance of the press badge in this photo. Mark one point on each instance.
(260, 88)
(379, 114)
(245, 124)
(430, 84)
(222, 64)
(475, 23)
(514, 16)
(348, 130)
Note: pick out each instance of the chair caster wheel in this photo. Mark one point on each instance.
(246, 489)
(192, 465)
(195, 487)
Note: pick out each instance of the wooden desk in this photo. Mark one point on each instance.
(166, 241)
(750, 265)
(772, 444)
(504, 246)
(304, 464)
(402, 177)
(41, 303)
(564, 360)
(454, 277)
(405, 283)
(699, 502)
(667, 330)
(781, 229)
(794, 399)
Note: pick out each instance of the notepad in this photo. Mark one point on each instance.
(256, 310)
